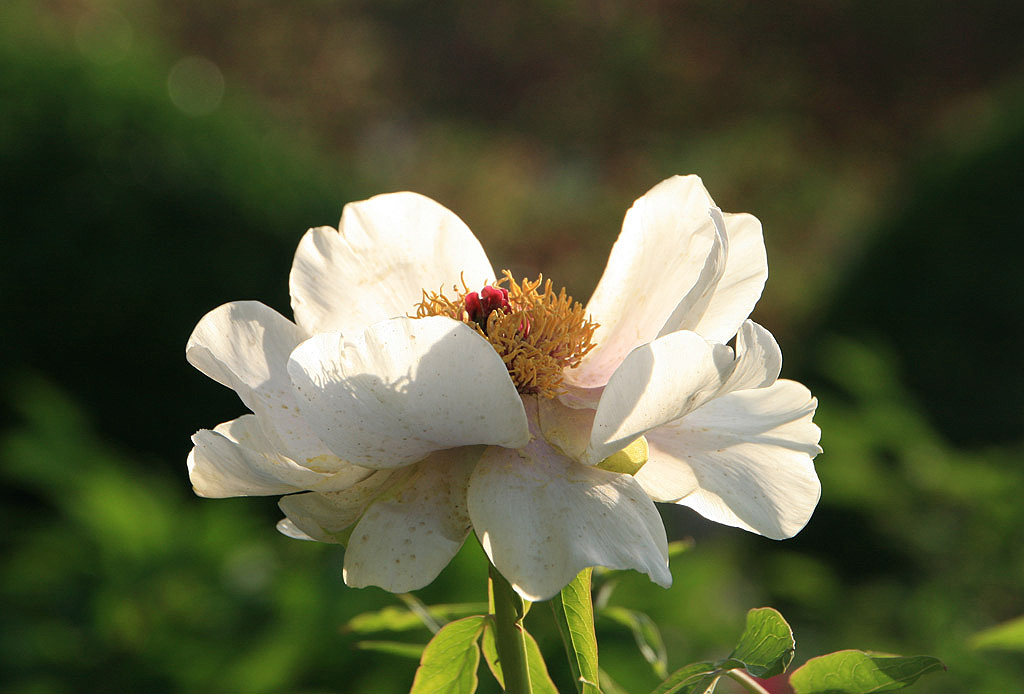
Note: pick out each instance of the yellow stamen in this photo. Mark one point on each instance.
(541, 334)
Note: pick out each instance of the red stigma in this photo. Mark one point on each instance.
(489, 300)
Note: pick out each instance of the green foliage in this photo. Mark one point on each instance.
(574, 615)
(1008, 636)
(766, 647)
(856, 672)
(450, 660)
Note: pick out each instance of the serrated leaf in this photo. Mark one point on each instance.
(857, 672)
(698, 678)
(645, 632)
(1008, 636)
(540, 680)
(451, 659)
(399, 648)
(394, 618)
(766, 646)
(574, 614)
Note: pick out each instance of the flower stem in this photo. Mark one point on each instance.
(510, 638)
(748, 682)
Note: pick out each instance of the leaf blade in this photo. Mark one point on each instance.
(450, 660)
(858, 672)
(574, 613)
(766, 647)
(696, 678)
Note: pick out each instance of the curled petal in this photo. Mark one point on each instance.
(744, 459)
(237, 459)
(668, 249)
(328, 516)
(245, 346)
(375, 266)
(542, 518)
(404, 389)
(407, 537)
(657, 383)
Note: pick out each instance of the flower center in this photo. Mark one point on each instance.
(537, 332)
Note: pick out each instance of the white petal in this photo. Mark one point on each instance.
(387, 250)
(289, 529)
(566, 428)
(673, 376)
(758, 359)
(668, 245)
(542, 518)
(404, 539)
(245, 346)
(328, 516)
(740, 284)
(406, 388)
(237, 459)
(657, 383)
(743, 459)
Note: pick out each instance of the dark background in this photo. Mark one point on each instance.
(158, 159)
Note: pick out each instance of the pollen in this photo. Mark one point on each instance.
(537, 332)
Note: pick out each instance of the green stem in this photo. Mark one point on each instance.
(748, 682)
(509, 636)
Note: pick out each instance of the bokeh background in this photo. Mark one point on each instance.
(160, 158)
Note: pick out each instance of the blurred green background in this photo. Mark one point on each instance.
(160, 158)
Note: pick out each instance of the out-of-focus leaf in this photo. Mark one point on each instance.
(766, 647)
(540, 680)
(698, 678)
(574, 614)
(394, 618)
(1008, 636)
(647, 635)
(450, 661)
(857, 672)
(399, 648)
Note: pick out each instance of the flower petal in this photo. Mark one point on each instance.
(542, 518)
(327, 516)
(657, 383)
(738, 287)
(405, 539)
(673, 376)
(406, 388)
(245, 346)
(668, 246)
(237, 459)
(743, 459)
(386, 251)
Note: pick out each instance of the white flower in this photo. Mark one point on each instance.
(406, 410)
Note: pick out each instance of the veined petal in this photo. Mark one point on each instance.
(327, 516)
(404, 389)
(375, 266)
(758, 359)
(739, 285)
(743, 459)
(542, 518)
(657, 383)
(245, 346)
(408, 536)
(667, 241)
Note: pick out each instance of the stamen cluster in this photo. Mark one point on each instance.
(537, 332)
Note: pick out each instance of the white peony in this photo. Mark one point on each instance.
(402, 408)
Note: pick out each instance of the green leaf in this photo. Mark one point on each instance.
(645, 632)
(540, 680)
(1008, 636)
(857, 672)
(399, 648)
(766, 647)
(574, 614)
(450, 660)
(394, 618)
(698, 678)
